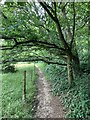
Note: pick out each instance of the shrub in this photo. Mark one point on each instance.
(9, 68)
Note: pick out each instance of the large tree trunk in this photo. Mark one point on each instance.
(76, 65)
(70, 70)
(76, 61)
(89, 35)
(69, 36)
(89, 53)
(65, 44)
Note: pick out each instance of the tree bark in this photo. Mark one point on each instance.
(76, 65)
(70, 70)
(89, 53)
(89, 35)
(70, 37)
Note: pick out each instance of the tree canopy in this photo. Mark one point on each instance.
(53, 32)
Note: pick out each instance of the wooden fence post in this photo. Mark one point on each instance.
(34, 68)
(31, 75)
(24, 85)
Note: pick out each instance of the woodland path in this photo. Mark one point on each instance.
(49, 106)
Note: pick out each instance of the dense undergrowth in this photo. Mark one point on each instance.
(76, 99)
(12, 89)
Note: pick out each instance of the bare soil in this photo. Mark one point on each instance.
(49, 106)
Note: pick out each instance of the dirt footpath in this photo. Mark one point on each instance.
(49, 105)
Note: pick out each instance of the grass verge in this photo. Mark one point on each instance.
(12, 90)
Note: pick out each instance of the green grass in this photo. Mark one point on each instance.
(12, 90)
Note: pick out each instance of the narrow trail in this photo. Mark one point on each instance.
(48, 106)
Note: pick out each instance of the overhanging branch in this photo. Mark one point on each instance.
(33, 60)
(31, 43)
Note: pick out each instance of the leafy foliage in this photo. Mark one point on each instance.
(76, 99)
(51, 32)
(8, 68)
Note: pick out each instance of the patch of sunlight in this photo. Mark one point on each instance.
(23, 64)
